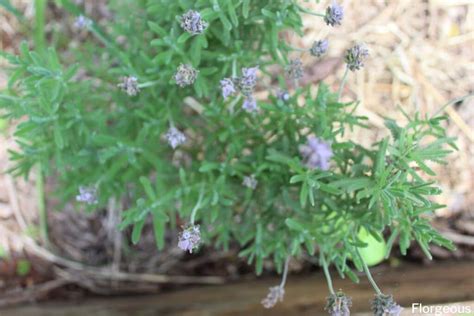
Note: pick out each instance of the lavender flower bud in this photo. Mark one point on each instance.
(316, 153)
(189, 238)
(355, 56)
(248, 81)
(275, 295)
(283, 95)
(129, 85)
(250, 104)
(185, 75)
(384, 305)
(82, 22)
(250, 182)
(175, 137)
(338, 304)
(319, 48)
(87, 195)
(334, 14)
(295, 69)
(192, 22)
(227, 87)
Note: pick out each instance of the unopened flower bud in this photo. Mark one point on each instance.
(338, 304)
(319, 48)
(129, 85)
(384, 305)
(316, 153)
(192, 22)
(355, 56)
(175, 137)
(189, 238)
(275, 295)
(295, 69)
(185, 75)
(334, 14)
(87, 195)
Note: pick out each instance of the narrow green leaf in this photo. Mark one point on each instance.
(183, 37)
(380, 159)
(137, 231)
(147, 186)
(245, 8)
(294, 224)
(159, 231)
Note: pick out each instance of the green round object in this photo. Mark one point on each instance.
(374, 252)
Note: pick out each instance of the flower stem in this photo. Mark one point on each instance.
(297, 49)
(369, 275)
(197, 206)
(148, 84)
(310, 12)
(234, 103)
(39, 35)
(285, 272)
(234, 68)
(43, 216)
(460, 99)
(326, 273)
(343, 82)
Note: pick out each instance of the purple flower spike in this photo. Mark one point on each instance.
(227, 87)
(248, 81)
(82, 22)
(175, 137)
(129, 85)
(250, 105)
(338, 304)
(189, 238)
(384, 305)
(356, 56)
(250, 182)
(319, 48)
(295, 69)
(185, 75)
(283, 95)
(316, 153)
(334, 14)
(275, 295)
(87, 195)
(192, 22)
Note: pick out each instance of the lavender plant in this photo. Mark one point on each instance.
(114, 115)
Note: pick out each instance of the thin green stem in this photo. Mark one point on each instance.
(148, 84)
(234, 68)
(197, 206)
(234, 103)
(39, 35)
(441, 109)
(168, 108)
(326, 273)
(43, 216)
(303, 50)
(343, 83)
(285, 272)
(369, 275)
(310, 12)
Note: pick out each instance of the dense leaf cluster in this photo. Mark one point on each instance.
(81, 128)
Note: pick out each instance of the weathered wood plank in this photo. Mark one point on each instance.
(305, 295)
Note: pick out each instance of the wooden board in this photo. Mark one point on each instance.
(305, 295)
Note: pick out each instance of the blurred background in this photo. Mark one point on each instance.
(421, 56)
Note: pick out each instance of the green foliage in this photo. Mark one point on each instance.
(82, 129)
(3, 253)
(23, 267)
